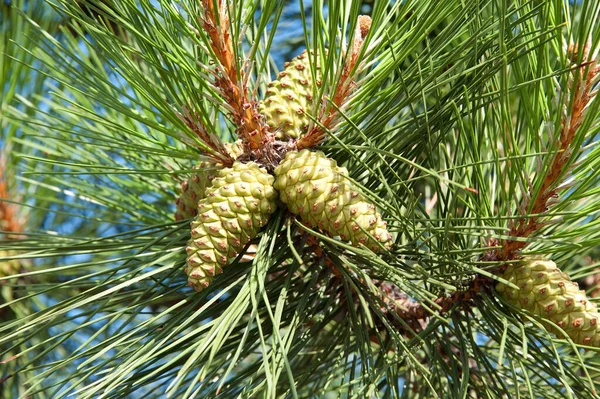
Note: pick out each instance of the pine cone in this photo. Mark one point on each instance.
(550, 293)
(316, 189)
(192, 189)
(8, 267)
(238, 203)
(290, 98)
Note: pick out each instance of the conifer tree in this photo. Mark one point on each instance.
(403, 207)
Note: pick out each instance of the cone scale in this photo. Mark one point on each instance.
(316, 189)
(237, 205)
(550, 294)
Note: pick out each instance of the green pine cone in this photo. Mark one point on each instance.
(238, 203)
(550, 293)
(192, 189)
(8, 267)
(315, 188)
(289, 99)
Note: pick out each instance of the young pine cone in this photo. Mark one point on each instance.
(237, 204)
(315, 188)
(192, 189)
(8, 267)
(289, 99)
(550, 293)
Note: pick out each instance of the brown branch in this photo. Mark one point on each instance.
(415, 315)
(231, 81)
(8, 218)
(9, 222)
(329, 115)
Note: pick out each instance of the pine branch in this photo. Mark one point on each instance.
(232, 81)
(542, 199)
(532, 203)
(310, 315)
(329, 114)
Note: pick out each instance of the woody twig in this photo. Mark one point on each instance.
(232, 81)
(8, 219)
(9, 222)
(329, 115)
(10, 226)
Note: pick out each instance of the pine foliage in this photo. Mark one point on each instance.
(469, 126)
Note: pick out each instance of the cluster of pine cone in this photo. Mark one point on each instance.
(231, 205)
